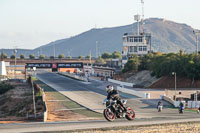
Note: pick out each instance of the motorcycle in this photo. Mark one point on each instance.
(114, 110)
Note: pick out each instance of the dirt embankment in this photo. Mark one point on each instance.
(144, 79)
(140, 79)
(181, 82)
(17, 103)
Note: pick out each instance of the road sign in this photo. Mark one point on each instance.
(70, 65)
(39, 65)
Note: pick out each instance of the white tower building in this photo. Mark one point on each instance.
(136, 43)
(2, 70)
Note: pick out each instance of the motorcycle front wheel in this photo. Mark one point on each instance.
(109, 115)
(130, 114)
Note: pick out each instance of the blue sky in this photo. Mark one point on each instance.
(32, 23)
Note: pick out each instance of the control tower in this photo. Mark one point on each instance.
(136, 43)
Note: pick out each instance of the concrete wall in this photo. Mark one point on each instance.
(133, 92)
(193, 104)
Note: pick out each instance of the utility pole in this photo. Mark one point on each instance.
(97, 53)
(15, 53)
(90, 57)
(40, 51)
(196, 32)
(54, 51)
(142, 1)
(174, 73)
(137, 18)
(144, 39)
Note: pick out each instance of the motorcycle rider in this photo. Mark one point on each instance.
(181, 107)
(114, 95)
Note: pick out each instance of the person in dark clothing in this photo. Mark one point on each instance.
(159, 104)
(181, 107)
(114, 95)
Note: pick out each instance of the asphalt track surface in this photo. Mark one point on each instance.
(94, 93)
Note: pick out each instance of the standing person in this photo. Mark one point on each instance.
(181, 107)
(159, 106)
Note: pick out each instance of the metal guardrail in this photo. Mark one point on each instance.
(45, 113)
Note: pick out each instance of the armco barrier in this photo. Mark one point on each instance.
(121, 83)
(132, 92)
(193, 104)
(44, 102)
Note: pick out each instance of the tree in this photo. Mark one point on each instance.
(61, 56)
(51, 57)
(22, 56)
(145, 62)
(116, 55)
(69, 57)
(80, 57)
(12, 57)
(132, 64)
(42, 56)
(32, 56)
(3, 56)
(88, 56)
(106, 55)
(100, 61)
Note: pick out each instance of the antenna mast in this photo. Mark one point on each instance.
(142, 1)
(137, 18)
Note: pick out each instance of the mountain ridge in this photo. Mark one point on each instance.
(167, 36)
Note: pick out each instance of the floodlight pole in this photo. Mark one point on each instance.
(174, 73)
(15, 52)
(196, 32)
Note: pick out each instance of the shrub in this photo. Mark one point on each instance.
(4, 87)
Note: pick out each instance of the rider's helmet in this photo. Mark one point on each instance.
(109, 88)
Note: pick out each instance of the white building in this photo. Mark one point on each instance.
(138, 43)
(135, 44)
(3, 72)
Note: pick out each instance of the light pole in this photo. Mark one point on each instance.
(54, 51)
(174, 73)
(97, 54)
(15, 52)
(196, 32)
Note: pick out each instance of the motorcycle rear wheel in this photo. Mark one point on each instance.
(130, 114)
(110, 116)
